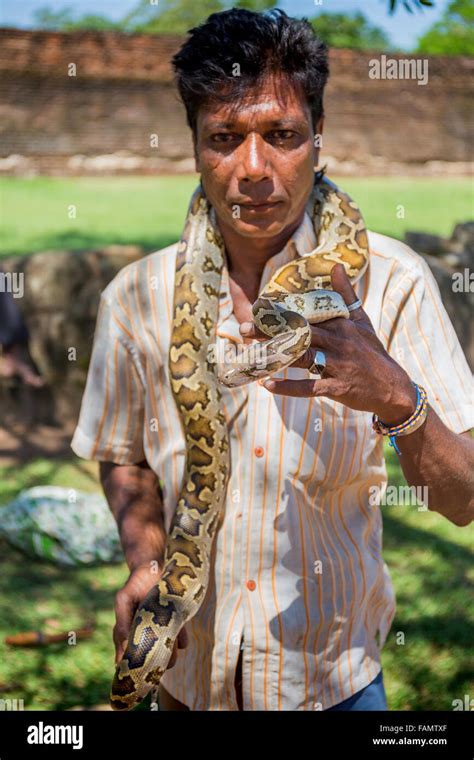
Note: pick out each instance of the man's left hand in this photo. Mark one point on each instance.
(359, 372)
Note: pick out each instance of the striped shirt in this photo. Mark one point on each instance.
(298, 579)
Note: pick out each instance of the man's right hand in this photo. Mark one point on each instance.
(127, 600)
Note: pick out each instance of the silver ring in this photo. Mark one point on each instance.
(319, 364)
(356, 305)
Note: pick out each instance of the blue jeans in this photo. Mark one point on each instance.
(371, 697)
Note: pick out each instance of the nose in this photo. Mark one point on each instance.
(254, 164)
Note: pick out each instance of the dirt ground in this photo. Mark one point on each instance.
(21, 443)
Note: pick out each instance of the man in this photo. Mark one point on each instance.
(298, 591)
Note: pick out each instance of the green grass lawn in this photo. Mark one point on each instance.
(149, 211)
(431, 562)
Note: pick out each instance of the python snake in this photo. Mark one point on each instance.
(297, 295)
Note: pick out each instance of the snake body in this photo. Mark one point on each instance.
(296, 296)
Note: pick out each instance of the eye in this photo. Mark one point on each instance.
(223, 137)
(283, 134)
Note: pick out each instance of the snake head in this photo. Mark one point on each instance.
(122, 693)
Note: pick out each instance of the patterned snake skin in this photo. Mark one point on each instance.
(293, 299)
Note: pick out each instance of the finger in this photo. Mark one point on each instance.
(124, 611)
(325, 334)
(341, 284)
(306, 361)
(122, 649)
(183, 639)
(180, 643)
(302, 388)
(249, 330)
(174, 656)
(120, 645)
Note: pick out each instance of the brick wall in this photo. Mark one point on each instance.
(123, 92)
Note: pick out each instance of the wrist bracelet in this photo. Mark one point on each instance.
(415, 421)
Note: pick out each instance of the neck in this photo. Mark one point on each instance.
(247, 256)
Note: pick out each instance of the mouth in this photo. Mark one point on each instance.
(260, 207)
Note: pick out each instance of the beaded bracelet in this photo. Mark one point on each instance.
(410, 425)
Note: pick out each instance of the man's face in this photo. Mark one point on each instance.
(261, 153)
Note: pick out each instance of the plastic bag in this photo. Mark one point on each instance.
(62, 525)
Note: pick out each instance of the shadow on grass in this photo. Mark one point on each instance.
(92, 690)
(57, 676)
(398, 534)
(429, 571)
(429, 568)
(429, 637)
(30, 580)
(432, 688)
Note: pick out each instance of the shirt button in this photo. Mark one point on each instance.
(259, 451)
(251, 585)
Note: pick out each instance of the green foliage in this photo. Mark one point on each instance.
(165, 17)
(170, 16)
(64, 21)
(45, 18)
(343, 31)
(255, 5)
(453, 34)
(178, 16)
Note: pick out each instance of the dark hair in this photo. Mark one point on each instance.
(262, 44)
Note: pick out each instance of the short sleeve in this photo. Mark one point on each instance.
(110, 425)
(423, 341)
